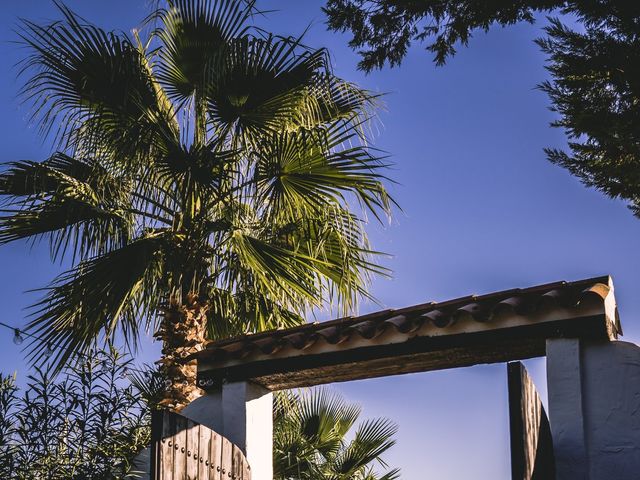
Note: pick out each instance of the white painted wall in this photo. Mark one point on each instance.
(594, 409)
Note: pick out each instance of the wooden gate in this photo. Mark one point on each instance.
(531, 443)
(185, 450)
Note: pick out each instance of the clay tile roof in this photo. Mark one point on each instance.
(558, 301)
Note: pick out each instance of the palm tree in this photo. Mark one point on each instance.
(203, 169)
(310, 439)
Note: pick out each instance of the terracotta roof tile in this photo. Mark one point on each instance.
(442, 315)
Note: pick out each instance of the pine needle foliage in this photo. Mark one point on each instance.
(595, 90)
(384, 30)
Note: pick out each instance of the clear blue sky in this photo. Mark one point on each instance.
(483, 211)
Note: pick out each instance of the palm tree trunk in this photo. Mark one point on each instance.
(182, 331)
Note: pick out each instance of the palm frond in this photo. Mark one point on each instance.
(93, 85)
(390, 475)
(283, 275)
(203, 167)
(109, 294)
(262, 86)
(286, 263)
(241, 312)
(73, 202)
(311, 439)
(194, 36)
(325, 418)
(300, 172)
(331, 102)
(372, 439)
(86, 228)
(31, 179)
(348, 263)
(149, 384)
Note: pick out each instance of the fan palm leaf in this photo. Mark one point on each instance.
(194, 36)
(304, 170)
(73, 202)
(94, 86)
(310, 439)
(112, 292)
(261, 86)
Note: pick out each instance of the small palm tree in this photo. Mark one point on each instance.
(202, 168)
(310, 439)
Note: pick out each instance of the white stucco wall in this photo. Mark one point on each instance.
(594, 409)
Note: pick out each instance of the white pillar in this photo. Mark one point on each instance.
(594, 409)
(564, 387)
(242, 412)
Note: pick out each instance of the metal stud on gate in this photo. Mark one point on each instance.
(205, 382)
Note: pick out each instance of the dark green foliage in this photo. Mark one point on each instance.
(384, 29)
(311, 433)
(87, 424)
(595, 88)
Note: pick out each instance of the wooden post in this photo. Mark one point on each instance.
(531, 444)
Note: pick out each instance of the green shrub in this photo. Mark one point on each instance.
(87, 423)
